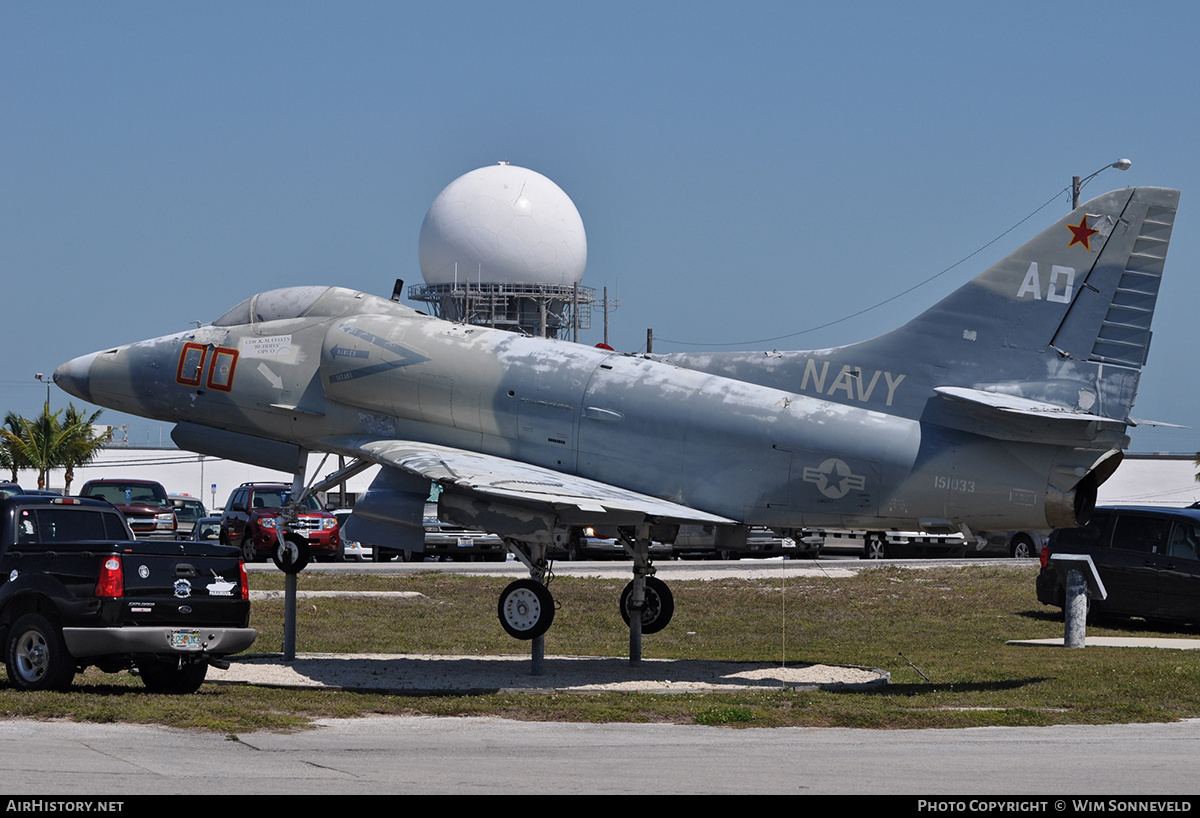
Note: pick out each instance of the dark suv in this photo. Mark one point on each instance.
(1148, 559)
(252, 514)
(143, 502)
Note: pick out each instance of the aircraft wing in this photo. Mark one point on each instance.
(578, 500)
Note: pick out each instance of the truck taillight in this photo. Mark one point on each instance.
(111, 582)
(245, 580)
(1044, 557)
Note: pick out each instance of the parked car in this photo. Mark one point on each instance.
(699, 541)
(586, 544)
(206, 529)
(351, 550)
(252, 513)
(881, 545)
(451, 542)
(1147, 557)
(143, 502)
(1017, 544)
(187, 511)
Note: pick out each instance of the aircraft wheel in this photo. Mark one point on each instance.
(659, 606)
(526, 609)
(292, 555)
(875, 547)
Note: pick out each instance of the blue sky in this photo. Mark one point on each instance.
(743, 171)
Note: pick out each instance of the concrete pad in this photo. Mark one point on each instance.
(1115, 642)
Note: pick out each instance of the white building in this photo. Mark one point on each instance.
(210, 479)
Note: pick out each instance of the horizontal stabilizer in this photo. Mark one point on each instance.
(1009, 417)
(1016, 405)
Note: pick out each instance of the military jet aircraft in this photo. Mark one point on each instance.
(1002, 407)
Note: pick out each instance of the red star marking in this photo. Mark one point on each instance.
(1081, 234)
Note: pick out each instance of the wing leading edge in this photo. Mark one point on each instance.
(578, 500)
(498, 495)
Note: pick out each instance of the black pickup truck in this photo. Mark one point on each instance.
(77, 590)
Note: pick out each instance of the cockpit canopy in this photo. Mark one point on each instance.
(274, 305)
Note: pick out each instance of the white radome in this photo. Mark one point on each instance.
(503, 224)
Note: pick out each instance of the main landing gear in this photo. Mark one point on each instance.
(526, 607)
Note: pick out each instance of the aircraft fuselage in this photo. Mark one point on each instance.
(756, 454)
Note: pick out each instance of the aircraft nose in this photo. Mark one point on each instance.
(75, 376)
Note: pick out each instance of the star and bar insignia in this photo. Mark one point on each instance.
(1081, 234)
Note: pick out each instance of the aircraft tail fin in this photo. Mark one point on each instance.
(1061, 325)
(1064, 319)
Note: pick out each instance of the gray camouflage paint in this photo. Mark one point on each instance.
(1037, 359)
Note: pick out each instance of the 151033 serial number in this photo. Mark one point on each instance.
(959, 484)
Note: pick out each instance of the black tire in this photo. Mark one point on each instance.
(249, 553)
(526, 609)
(659, 607)
(36, 655)
(171, 677)
(1021, 547)
(292, 555)
(875, 547)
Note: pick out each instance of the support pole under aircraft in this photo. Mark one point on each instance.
(637, 602)
(537, 656)
(289, 618)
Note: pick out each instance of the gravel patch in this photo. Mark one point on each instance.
(428, 674)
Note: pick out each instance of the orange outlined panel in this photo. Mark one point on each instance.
(191, 364)
(224, 363)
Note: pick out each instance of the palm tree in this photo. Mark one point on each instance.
(10, 459)
(45, 444)
(84, 444)
(35, 443)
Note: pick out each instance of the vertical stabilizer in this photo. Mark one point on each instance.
(1064, 321)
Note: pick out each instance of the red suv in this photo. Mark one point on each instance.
(252, 514)
(143, 502)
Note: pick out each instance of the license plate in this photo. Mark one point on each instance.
(466, 542)
(185, 639)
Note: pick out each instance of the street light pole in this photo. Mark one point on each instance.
(44, 477)
(1077, 183)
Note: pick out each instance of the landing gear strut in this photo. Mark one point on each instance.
(646, 603)
(526, 607)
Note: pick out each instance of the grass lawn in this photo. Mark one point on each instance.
(940, 632)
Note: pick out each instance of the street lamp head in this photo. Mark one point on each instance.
(1122, 164)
